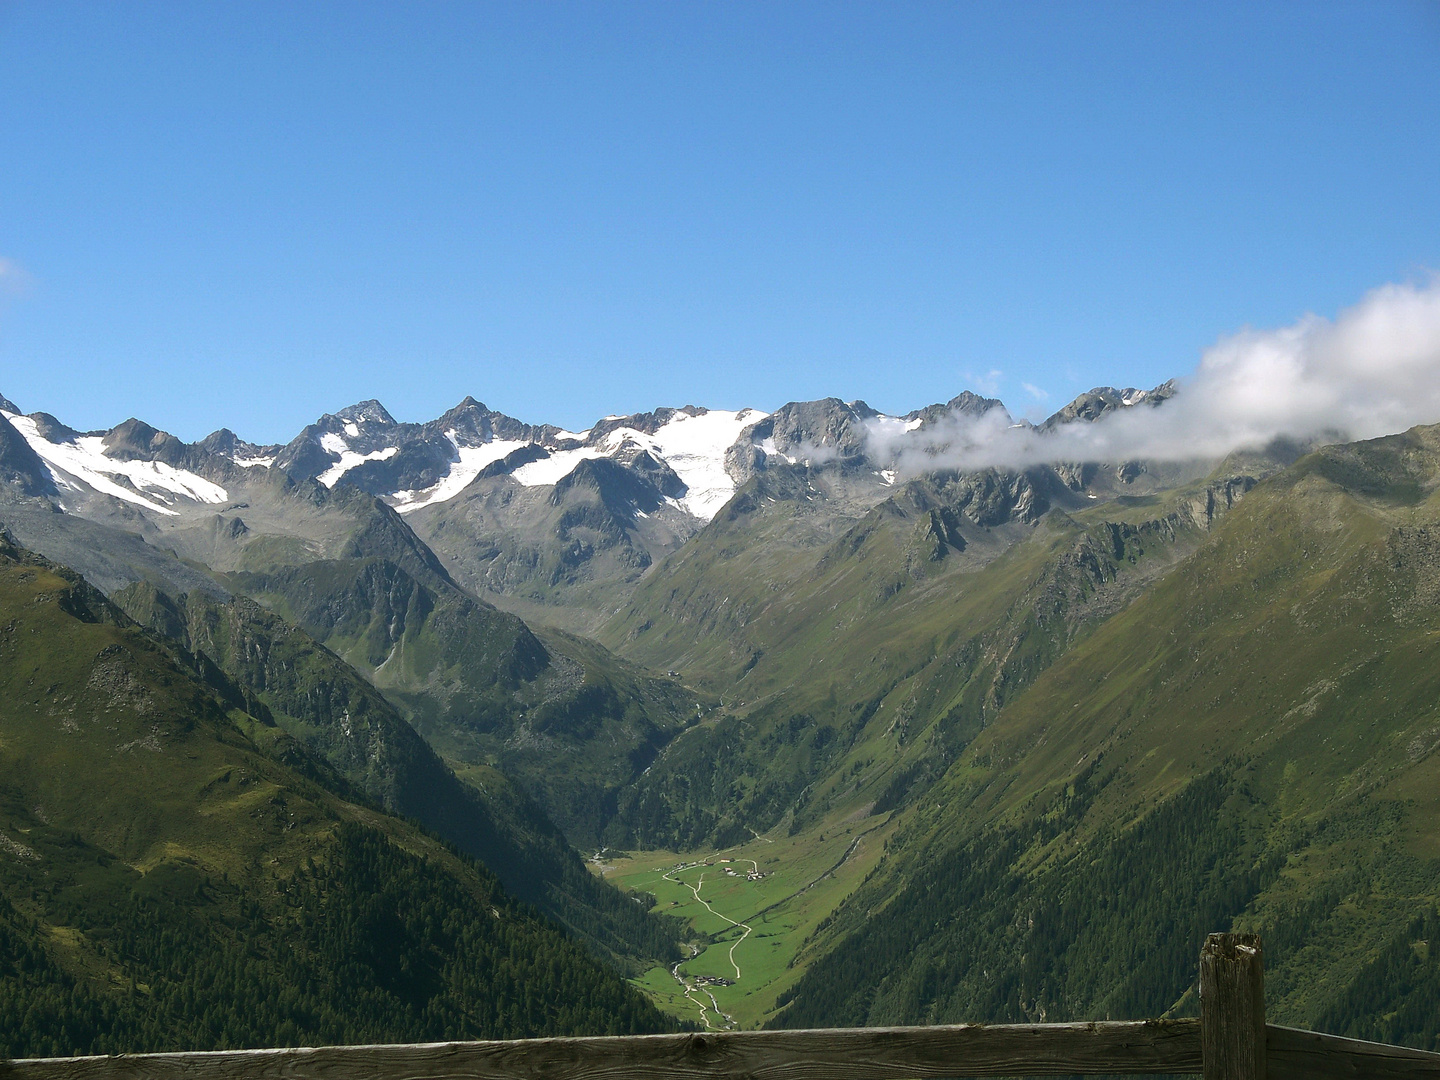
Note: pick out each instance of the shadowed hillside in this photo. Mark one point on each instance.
(167, 882)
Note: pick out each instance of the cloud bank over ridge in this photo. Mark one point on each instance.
(1373, 370)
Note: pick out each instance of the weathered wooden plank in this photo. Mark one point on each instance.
(1140, 1047)
(1292, 1054)
(1232, 1007)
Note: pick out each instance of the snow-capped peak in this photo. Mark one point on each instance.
(469, 460)
(78, 461)
(691, 442)
(345, 458)
(371, 412)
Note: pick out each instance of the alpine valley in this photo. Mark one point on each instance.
(479, 727)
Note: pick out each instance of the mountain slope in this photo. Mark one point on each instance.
(348, 569)
(481, 686)
(858, 663)
(167, 883)
(1250, 743)
(1088, 710)
(343, 719)
(564, 551)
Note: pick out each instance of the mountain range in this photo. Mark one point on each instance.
(998, 743)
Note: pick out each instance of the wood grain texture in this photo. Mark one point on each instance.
(1232, 1007)
(1292, 1054)
(1140, 1047)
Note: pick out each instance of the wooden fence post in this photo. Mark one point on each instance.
(1232, 1008)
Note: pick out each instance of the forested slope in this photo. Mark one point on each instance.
(1251, 743)
(167, 881)
(876, 656)
(315, 696)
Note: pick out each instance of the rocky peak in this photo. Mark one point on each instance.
(19, 464)
(52, 430)
(964, 404)
(224, 441)
(828, 424)
(371, 412)
(470, 421)
(135, 440)
(1094, 404)
(475, 423)
(968, 403)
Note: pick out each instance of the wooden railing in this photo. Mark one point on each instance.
(1230, 1041)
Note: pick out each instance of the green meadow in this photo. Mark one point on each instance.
(803, 878)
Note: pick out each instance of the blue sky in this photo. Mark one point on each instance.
(249, 214)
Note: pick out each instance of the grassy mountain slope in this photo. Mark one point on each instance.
(875, 651)
(474, 680)
(875, 657)
(566, 720)
(350, 571)
(166, 882)
(1250, 743)
(110, 555)
(316, 697)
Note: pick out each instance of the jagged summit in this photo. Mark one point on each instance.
(681, 465)
(370, 411)
(52, 429)
(225, 443)
(1096, 403)
(19, 464)
(135, 440)
(973, 404)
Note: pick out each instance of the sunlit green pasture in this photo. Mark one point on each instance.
(796, 890)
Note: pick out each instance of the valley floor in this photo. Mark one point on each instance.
(751, 909)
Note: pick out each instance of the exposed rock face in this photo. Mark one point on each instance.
(227, 444)
(812, 432)
(536, 512)
(993, 497)
(965, 404)
(417, 456)
(19, 464)
(1096, 403)
(52, 429)
(135, 440)
(814, 427)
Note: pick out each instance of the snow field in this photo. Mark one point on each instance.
(85, 460)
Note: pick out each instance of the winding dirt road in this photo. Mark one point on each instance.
(691, 990)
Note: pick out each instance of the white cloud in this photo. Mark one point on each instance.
(1372, 371)
(1035, 391)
